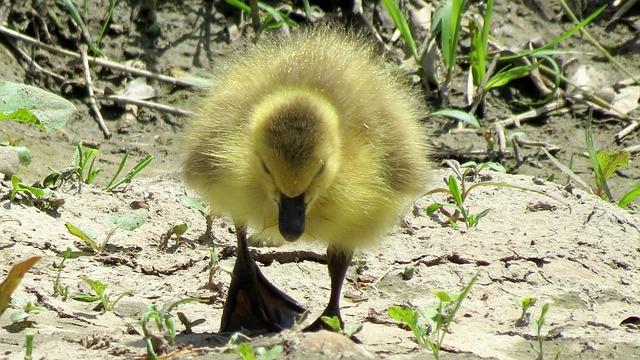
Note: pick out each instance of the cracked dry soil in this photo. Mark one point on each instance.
(576, 252)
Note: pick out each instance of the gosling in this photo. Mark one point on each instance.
(313, 137)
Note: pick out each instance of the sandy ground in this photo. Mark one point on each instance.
(576, 252)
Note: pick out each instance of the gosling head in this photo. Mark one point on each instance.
(296, 148)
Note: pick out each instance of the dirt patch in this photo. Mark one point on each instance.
(579, 254)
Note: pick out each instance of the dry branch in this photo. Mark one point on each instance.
(152, 105)
(534, 113)
(92, 97)
(626, 131)
(94, 60)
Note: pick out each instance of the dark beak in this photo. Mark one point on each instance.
(291, 217)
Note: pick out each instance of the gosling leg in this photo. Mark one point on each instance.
(338, 261)
(253, 302)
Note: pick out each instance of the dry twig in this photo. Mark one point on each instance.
(94, 60)
(92, 97)
(634, 149)
(32, 64)
(534, 113)
(152, 105)
(619, 136)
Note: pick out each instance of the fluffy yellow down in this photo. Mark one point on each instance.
(367, 135)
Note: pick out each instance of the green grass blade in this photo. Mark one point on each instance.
(480, 41)
(630, 196)
(577, 27)
(463, 116)
(504, 77)
(601, 180)
(107, 19)
(240, 5)
(452, 183)
(451, 18)
(73, 11)
(120, 166)
(133, 172)
(307, 8)
(564, 36)
(75, 231)
(277, 14)
(401, 24)
(28, 345)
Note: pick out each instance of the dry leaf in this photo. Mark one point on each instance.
(13, 280)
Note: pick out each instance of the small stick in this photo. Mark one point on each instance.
(33, 63)
(516, 119)
(255, 18)
(94, 60)
(626, 131)
(516, 149)
(149, 104)
(633, 149)
(528, 143)
(501, 139)
(92, 97)
(567, 171)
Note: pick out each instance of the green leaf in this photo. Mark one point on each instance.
(245, 351)
(195, 203)
(33, 105)
(97, 286)
(84, 297)
(479, 41)
(506, 76)
(404, 315)
(180, 228)
(17, 186)
(19, 316)
(553, 43)
(443, 296)
(129, 220)
(452, 183)
(431, 209)
(527, 302)
(629, 196)
(82, 235)
(270, 354)
(601, 180)
(332, 321)
(463, 116)
(85, 31)
(352, 329)
(23, 116)
(610, 161)
(409, 317)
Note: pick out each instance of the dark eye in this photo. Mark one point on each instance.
(265, 168)
(321, 169)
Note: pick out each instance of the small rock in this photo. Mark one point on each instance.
(9, 160)
(333, 345)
